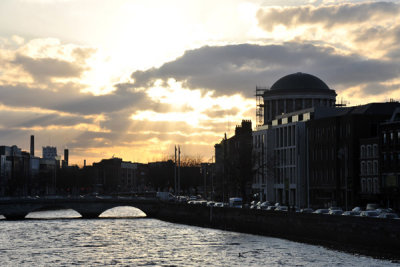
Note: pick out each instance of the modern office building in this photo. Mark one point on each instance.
(280, 144)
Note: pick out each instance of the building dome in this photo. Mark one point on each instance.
(299, 82)
(295, 92)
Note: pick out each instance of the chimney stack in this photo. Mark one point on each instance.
(66, 154)
(32, 145)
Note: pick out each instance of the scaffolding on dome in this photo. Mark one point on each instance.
(260, 90)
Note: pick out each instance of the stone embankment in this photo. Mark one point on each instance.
(375, 237)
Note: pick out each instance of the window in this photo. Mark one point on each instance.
(375, 167)
(363, 170)
(369, 168)
(391, 137)
(384, 138)
(375, 150)
(376, 186)
(363, 185)
(362, 151)
(369, 185)
(369, 151)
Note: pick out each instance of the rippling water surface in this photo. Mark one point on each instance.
(148, 242)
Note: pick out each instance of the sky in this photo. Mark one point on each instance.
(134, 78)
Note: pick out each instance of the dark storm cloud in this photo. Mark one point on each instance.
(328, 16)
(34, 119)
(68, 98)
(42, 69)
(378, 88)
(239, 68)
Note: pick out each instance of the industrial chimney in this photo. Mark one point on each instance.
(32, 145)
(66, 153)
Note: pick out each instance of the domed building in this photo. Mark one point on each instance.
(294, 92)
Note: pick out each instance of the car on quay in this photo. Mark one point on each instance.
(389, 216)
(219, 204)
(321, 211)
(264, 205)
(335, 212)
(381, 210)
(282, 208)
(235, 202)
(307, 210)
(210, 204)
(369, 213)
(271, 208)
(335, 208)
(351, 213)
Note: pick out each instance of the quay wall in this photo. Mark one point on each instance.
(369, 236)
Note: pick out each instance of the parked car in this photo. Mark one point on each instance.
(336, 208)
(307, 210)
(219, 204)
(388, 216)
(357, 209)
(321, 211)
(380, 210)
(235, 202)
(335, 212)
(372, 206)
(281, 208)
(351, 213)
(264, 205)
(210, 204)
(271, 208)
(369, 213)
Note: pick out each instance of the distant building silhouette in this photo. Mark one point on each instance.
(32, 145)
(49, 152)
(233, 163)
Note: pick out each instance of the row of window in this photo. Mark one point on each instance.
(391, 137)
(391, 156)
(322, 176)
(330, 132)
(285, 175)
(370, 185)
(323, 154)
(285, 136)
(369, 167)
(285, 157)
(369, 151)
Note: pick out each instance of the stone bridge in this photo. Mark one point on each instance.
(92, 207)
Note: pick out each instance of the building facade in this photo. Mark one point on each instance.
(389, 139)
(280, 145)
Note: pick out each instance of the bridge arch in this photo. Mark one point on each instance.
(88, 208)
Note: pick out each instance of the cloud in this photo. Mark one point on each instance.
(31, 118)
(43, 69)
(327, 16)
(239, 68)
(370, 29)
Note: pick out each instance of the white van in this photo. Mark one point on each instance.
(235, 202)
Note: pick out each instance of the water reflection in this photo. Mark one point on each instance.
(123, 212)
(53, 214)
(117, 212)
(150, 242)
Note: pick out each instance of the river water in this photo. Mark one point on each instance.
(55, 238)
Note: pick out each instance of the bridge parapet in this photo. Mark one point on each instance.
(18, 208)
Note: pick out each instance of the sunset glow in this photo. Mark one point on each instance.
(134, 78)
